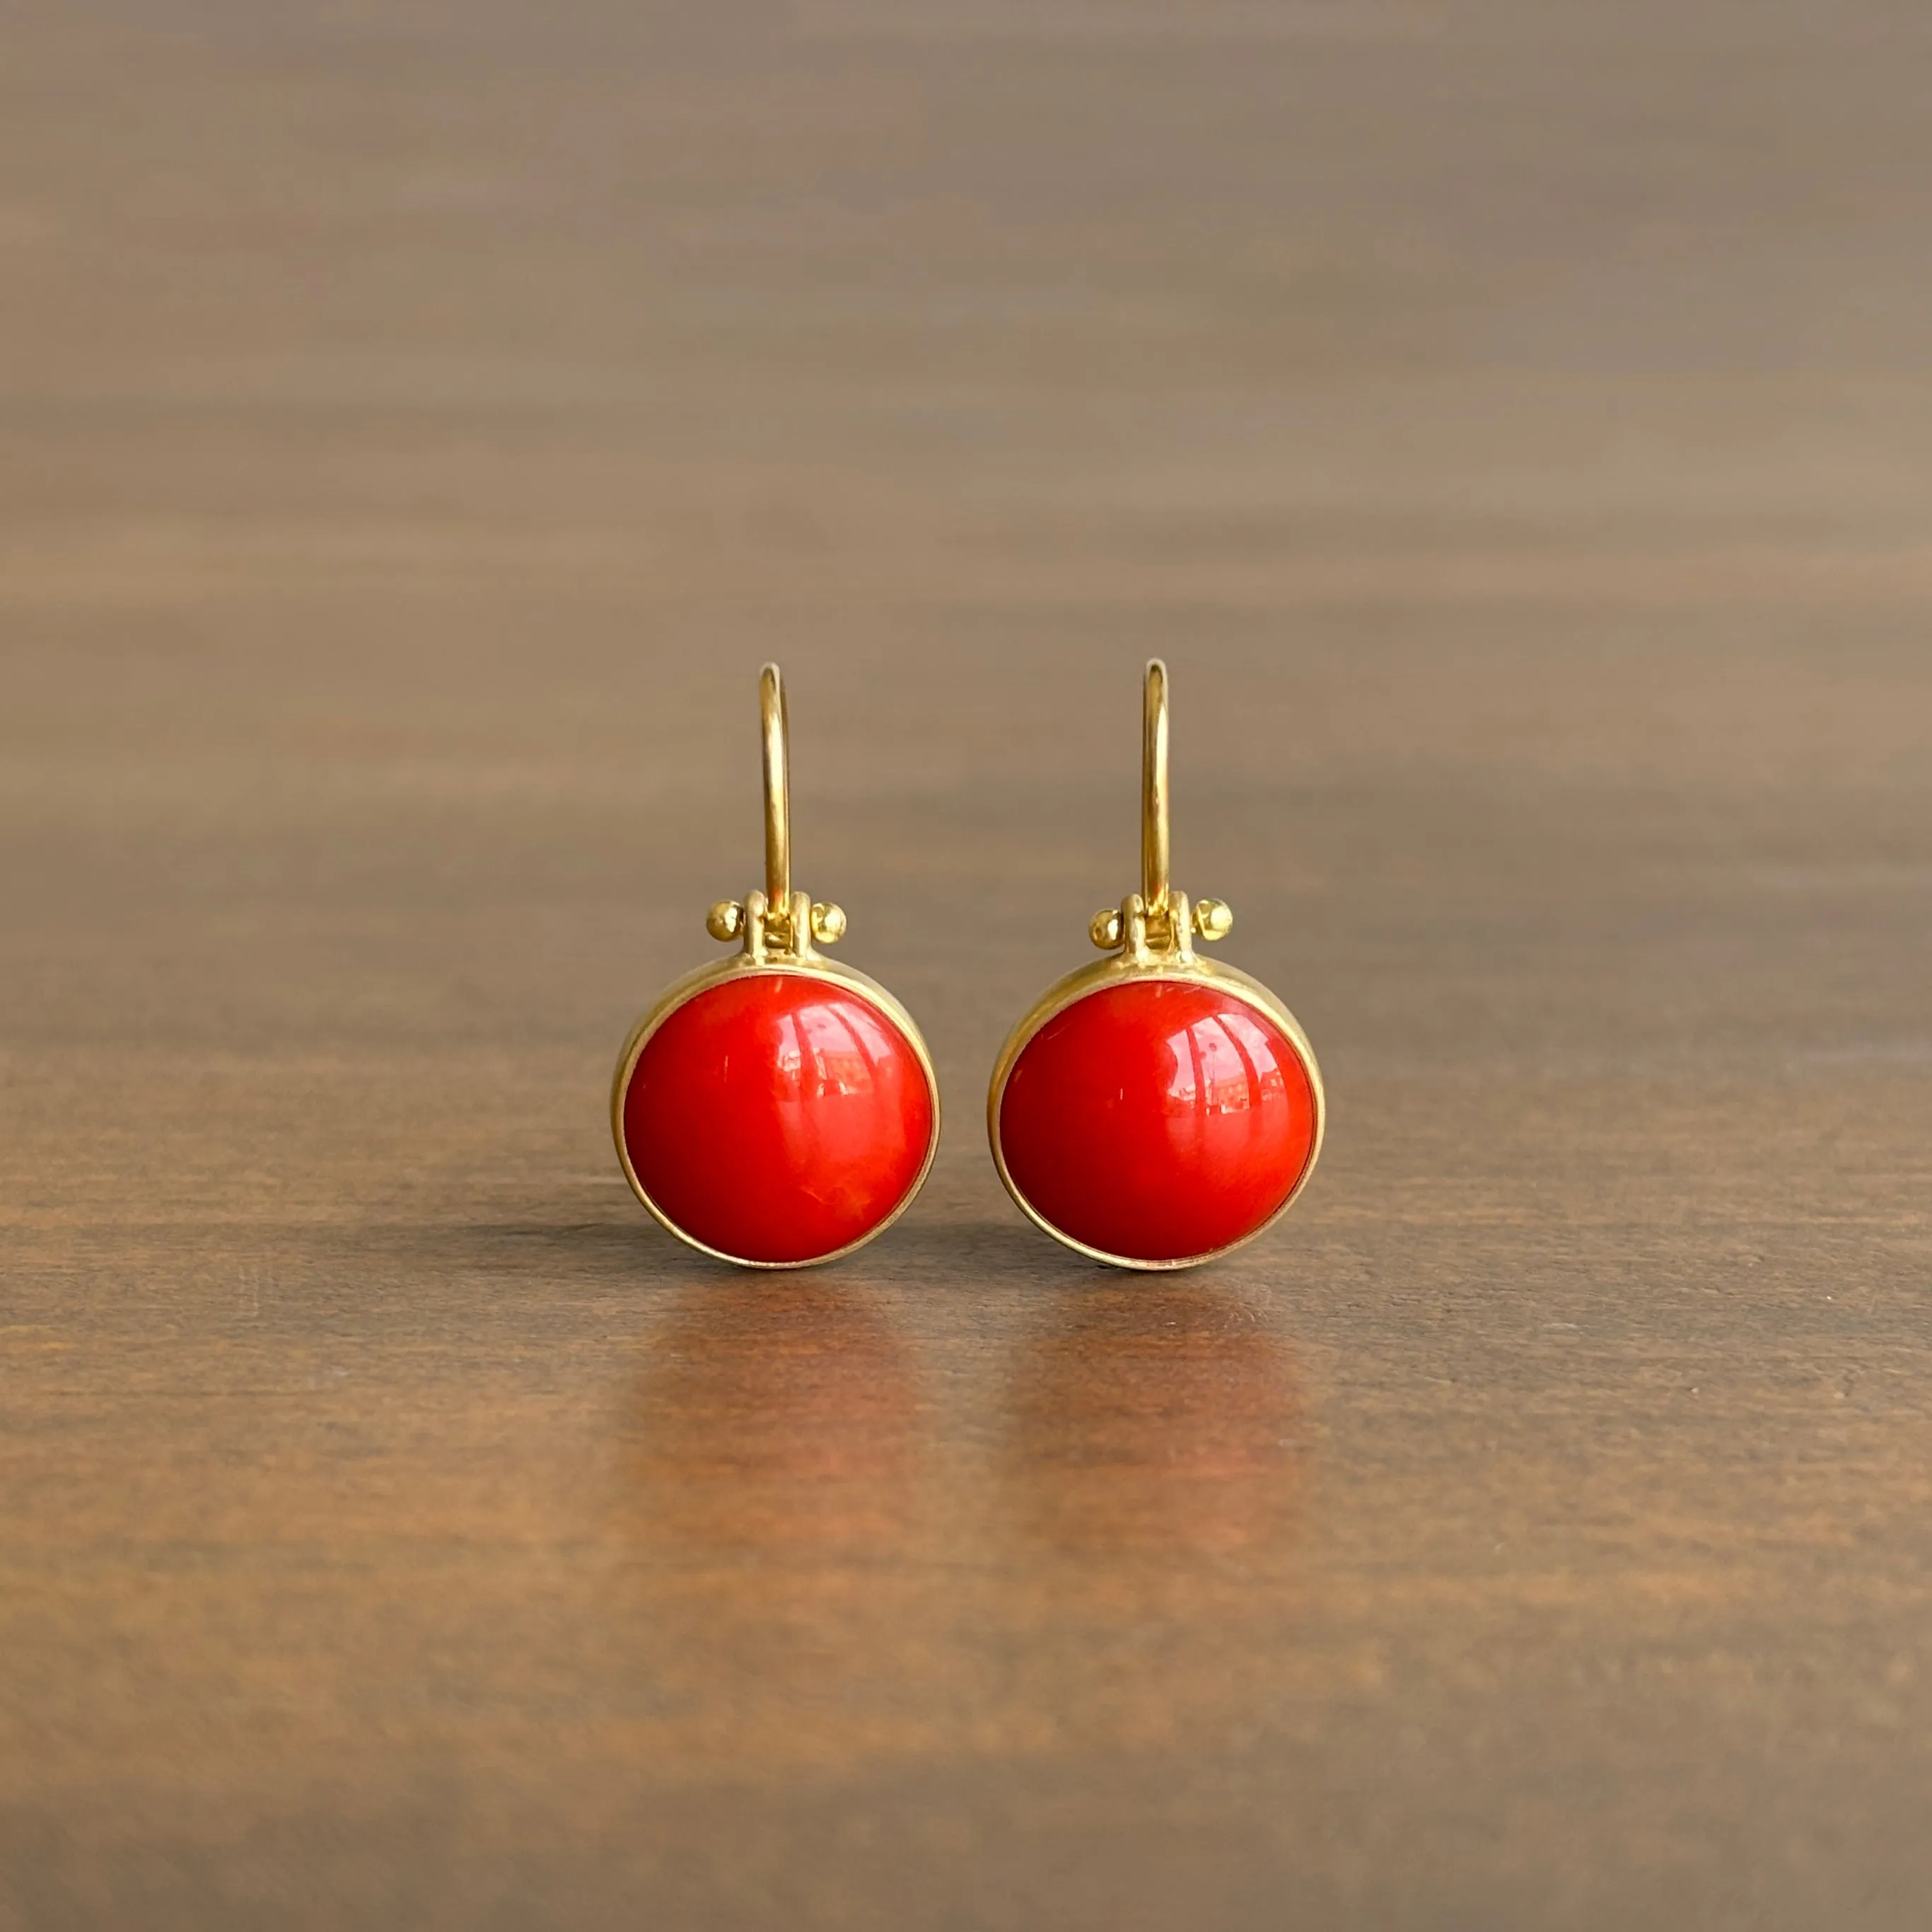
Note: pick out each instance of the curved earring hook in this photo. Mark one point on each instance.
(1154, 848)
(777, 728)
(778, 922)
(1157, 919)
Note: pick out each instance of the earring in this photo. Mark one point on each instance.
(778, 1109)
(1156, 1109)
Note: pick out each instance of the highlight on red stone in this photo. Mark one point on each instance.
(778, 1117)
(1158, 1120)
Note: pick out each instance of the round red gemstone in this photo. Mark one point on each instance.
(778, 1117)
(1158, 1120)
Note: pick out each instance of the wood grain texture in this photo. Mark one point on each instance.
(418, 425)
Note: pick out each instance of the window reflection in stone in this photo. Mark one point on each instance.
(827, 1050)
(1224, 1063)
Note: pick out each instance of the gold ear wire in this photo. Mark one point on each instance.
(776, 727)
(1157, 920)
(775, 921)
(1154, 843)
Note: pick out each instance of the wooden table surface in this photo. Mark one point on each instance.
(417, 424)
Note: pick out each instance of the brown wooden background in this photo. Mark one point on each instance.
(417, 423)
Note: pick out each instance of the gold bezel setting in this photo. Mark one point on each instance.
(777, 927)
(1155, 930)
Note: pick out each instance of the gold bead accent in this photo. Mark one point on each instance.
(1105, 930)
(828, 924)
(1214, 918)
(725, 920)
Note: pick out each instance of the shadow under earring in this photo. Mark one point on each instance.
(1155, 1109)
(778, 1109)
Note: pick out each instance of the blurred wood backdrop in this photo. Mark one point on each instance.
(1510, 421)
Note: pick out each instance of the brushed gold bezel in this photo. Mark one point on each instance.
(1124, 970)
(741, 965)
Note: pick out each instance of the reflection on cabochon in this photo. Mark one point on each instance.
(778, 1117)
(1158, 1120)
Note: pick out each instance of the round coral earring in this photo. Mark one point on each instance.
(1156, 1109)
(778, 1109)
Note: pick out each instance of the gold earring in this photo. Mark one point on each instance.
(1156, 1109)
(778, 1109)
